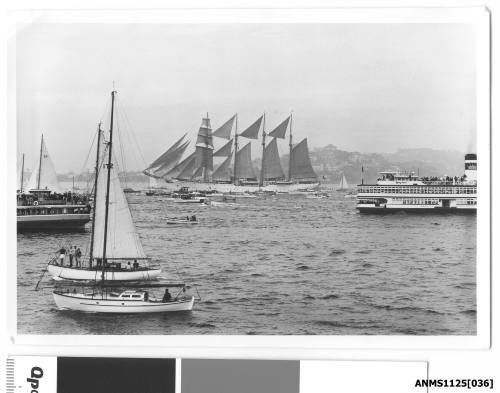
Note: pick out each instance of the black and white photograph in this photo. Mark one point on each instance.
(283, 178)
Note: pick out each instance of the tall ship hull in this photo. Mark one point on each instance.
(232, 188)
(404, 192)
(229, 168)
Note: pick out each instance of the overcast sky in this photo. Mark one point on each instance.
(361, 87)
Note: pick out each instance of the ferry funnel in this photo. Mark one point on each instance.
(471, 167)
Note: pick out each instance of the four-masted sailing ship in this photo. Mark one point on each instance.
(114, 241)
(236, 172)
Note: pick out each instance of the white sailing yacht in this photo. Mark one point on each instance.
(343, 184)
(125, 257)
(114, 239)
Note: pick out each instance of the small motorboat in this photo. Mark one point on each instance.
(182, 221)
(222, 204)
(318, 195)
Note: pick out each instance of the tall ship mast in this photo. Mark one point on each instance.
(222, 160)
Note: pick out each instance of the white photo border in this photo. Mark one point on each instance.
(303, 347)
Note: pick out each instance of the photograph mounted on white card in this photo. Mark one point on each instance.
(315, 175)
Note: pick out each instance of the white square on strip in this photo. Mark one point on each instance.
(360, 376)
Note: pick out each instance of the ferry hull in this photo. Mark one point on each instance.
(79, 274)
(96, 304)
(52, 222)
(227, 188)
(422, 210)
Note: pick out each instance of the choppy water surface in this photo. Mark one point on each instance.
(282, 265)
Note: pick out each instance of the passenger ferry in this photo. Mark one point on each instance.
(42, 204)
(399, 191)
(42, 210)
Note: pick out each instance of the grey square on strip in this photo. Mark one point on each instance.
(240, 376)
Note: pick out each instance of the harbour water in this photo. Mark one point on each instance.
(281, 265)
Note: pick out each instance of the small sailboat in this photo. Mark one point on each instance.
(113, 237)
(121, 242)
(343, 184)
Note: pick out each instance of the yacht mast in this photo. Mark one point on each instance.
(40, 164)
(109, 165)
(91, 255)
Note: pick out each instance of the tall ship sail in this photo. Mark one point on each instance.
(222, 160)
(43, 205)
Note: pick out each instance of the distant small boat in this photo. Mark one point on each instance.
(318, 195)
(343, 184)
(130, 191)
(182, 221)
(190, 199)
(222, 204)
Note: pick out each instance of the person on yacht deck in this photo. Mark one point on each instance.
(62, 255)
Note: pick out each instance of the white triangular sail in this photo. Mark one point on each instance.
(21, 178)
(122, 238)
(44, 175)
(343, 183)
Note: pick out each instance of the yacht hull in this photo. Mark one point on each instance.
(82, 274)
(96, 304)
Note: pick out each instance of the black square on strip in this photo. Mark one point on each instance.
(115, 375)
